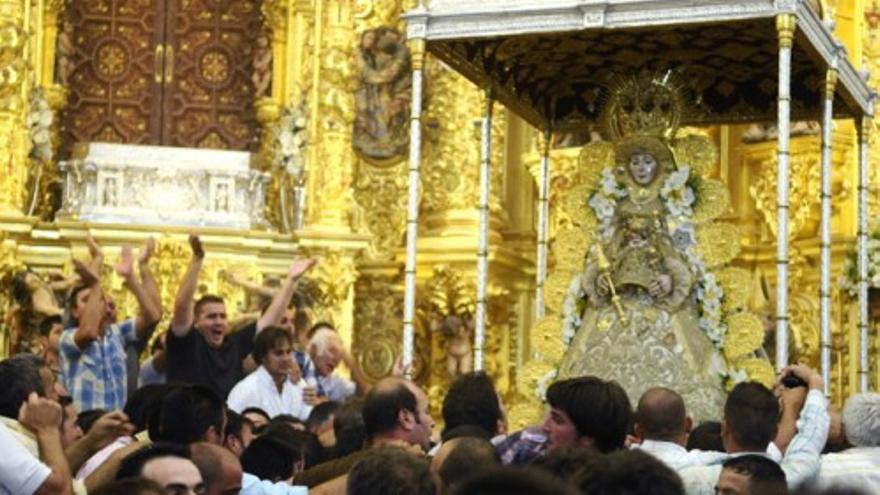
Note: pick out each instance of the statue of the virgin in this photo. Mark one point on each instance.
(641, 326)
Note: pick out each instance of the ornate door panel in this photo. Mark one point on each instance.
(115, 71)
(209, 99)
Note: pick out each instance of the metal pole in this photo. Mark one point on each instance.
(483, 243)
(825, 246)
(864, 139)
(785, 26)
(543, 220)
(412, 210)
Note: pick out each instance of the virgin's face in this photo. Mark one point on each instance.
(642, 167)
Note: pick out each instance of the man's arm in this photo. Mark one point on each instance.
(43, 418)
(357, 374)
(148, 313)
(182, 319)
(802, 457)
(96, 253)
(281, 300)
(92, 314)
(107, 471)
(107, 428)
(147, 279)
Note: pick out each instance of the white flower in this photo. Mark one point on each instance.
(737, 376)
(41, 136)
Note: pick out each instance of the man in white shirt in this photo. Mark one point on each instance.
(750, 424)
(269, 387)
(858, 467)
(663, 426)
(30, 425)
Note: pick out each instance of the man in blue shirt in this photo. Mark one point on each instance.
(93, 350)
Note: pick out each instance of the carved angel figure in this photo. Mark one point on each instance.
(262, 75)
(382, 99)
(640, 327)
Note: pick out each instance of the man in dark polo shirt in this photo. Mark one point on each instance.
(199, 351)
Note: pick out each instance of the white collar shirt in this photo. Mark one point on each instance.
(857, 468)
(259, 390)
(801, 460)
(677, 457)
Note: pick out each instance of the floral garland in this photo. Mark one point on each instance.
(290, 141)
(849, 281)
(39, 122)
(679, 197)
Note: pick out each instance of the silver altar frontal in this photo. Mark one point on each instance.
(157, 185)
(746, 61)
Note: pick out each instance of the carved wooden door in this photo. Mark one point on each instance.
(166, 72)
(209, 100)
(114, 71)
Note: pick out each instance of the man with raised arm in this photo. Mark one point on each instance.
(93, 350)
(199, 350)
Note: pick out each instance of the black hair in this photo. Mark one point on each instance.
(628, 471)
(599, 409)
(270, 458)
(48, 322)
(130, 486)
(468, 456)
(706, 436)
(234, 424)
(256, 410)
(86, 419)
(267, 340)
(188, 412)
(751, 413)
(382, 406)
(144, 404)
(306, 443)
(133, 464)
(765, 475)
(20, 376)
(510, 480)
(472, 399)
(71, 297)
(321, 413)
(391, 470)
(348, 427)
(206, 299)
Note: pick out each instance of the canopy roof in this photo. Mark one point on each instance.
(551, 61)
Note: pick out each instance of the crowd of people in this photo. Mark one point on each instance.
(262, 410)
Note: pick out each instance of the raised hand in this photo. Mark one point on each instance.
(109, 427)
(147, 251)
(94, 248)
(39, 414)
(196, 244)
(300, 266)
(125, 267)
(86, 273)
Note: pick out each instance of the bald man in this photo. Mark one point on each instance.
(662, 425)
(395, 412)
(222, 474)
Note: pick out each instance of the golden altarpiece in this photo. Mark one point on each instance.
(223, 74)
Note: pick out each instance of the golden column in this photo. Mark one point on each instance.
(15, 27)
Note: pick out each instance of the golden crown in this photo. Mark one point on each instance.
(648, 104)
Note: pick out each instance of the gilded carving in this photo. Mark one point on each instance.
(452, 135)
(378, 323)
(803, 192)
(380, 194)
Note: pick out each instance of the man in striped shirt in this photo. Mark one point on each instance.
(93, 351)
